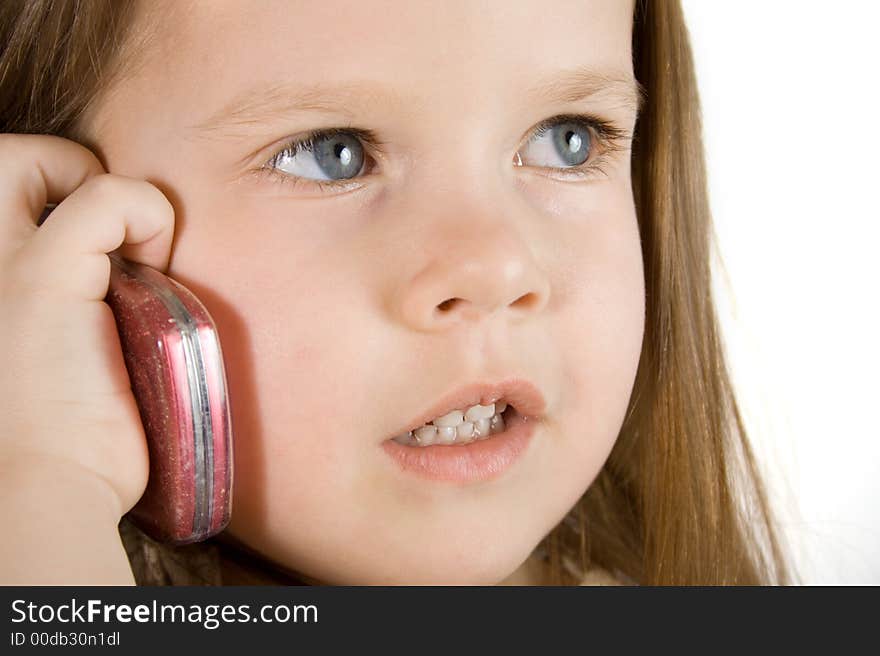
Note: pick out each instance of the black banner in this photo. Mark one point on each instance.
(333, 619)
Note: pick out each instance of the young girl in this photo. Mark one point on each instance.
(396, 213)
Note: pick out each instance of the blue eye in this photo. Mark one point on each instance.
(575, 146)
(582, 142)
(331, 155)
(569, 141)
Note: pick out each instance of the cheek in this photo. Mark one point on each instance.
(293, 343)
(604, 306)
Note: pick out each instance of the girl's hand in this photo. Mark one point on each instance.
(65, 396)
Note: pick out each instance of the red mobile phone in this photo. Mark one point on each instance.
(175, 364)
(174, 361)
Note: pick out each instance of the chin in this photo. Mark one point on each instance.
(479, 568)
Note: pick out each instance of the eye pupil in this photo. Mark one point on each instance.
(344, 154)
(340, 156)
(572, 142)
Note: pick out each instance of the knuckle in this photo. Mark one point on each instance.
(123, 190)
(110, 189)
(103, 185)
(164, 207)
(158, 201)
(91, 160)
(118, 187)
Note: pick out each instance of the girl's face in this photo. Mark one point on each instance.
(333, 302)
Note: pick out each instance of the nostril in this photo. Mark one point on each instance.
(447, 304)
(526, 301)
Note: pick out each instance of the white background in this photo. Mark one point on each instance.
(791, 114)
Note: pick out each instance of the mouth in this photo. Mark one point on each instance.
(473, 413)
(471, 435)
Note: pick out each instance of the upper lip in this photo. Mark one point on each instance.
(522, 394)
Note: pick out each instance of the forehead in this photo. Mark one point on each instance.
(427, 52)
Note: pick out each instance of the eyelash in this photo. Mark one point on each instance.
(606, 137)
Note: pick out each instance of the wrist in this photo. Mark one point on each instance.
(61, 525)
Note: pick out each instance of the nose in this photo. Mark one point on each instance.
(473, 264)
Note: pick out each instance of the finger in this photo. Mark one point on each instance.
(143, 234)
(36, 169)
(68, 252)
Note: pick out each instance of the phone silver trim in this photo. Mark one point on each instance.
(203, 433)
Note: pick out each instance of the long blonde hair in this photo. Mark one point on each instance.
(680, 499)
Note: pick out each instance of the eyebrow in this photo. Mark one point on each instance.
(267, 101)
(583, 83)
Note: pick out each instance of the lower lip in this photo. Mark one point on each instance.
(466, 463)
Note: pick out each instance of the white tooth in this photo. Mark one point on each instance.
(446, 435)
(426, 435)
(406, 438)
(454, 418)
(480, 412)
(465, 430)
(481, 427)
(500, 406)
(496, 423)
